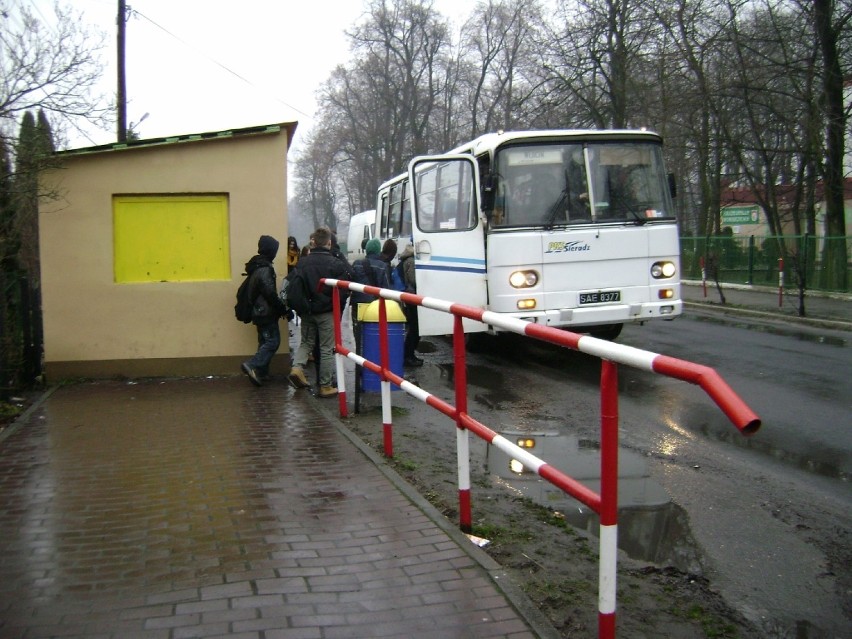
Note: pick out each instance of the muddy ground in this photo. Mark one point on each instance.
(553, 562)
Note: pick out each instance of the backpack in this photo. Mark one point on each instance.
(398, 278)
(295, 293)
(243, 307)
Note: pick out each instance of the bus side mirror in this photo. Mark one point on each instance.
(672, 185)
(488, 194)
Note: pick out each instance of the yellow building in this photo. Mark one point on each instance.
(143, 246)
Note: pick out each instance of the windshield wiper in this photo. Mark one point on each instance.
(558, 206)
(621, 200)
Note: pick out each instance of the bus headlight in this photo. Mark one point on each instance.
(523, 279)
(661, 270)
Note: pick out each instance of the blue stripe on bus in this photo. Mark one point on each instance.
(454, 269)
(463, 260)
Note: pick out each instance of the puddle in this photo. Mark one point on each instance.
(650, 527)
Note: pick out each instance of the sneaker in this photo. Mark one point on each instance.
(252, 374)
(327, 391)
(297, 377)
(413, 361)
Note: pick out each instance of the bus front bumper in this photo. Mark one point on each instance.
(608, 314)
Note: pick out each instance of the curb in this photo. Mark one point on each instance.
(535, 618)
(24, 417)
(716, 308)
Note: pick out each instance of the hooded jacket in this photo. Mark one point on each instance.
(267, 307)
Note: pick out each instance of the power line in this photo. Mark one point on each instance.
(217, 63)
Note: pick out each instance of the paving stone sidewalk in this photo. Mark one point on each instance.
(209, 508)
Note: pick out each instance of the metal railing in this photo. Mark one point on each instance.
(814, 262)
(605, 503)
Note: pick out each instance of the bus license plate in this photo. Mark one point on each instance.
(600, 297)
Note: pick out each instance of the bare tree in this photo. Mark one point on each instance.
(598, 62)
(50, 67)
(382, 108)
(316, 191)
(499, 39)
(831, 20)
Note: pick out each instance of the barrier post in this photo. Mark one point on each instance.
(703, 275)
(609, 500)
(384, 357)
(605, 504)
(338, 357)
(780, 282)
(462, 434)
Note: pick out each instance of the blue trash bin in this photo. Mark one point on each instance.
(368, 315)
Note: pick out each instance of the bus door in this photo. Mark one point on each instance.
(449, 238)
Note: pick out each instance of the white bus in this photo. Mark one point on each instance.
(361, 228)
(566, 228)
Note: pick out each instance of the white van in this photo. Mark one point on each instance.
(360, 232)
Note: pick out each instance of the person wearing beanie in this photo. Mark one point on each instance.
(266, 308)
(388, 250)
(373, 247)
(371, 270)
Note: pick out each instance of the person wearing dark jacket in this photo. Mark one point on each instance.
(318, 325)
(412, 326)
(266, 309)
(370, 270)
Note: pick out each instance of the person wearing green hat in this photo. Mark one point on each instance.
(370, 270)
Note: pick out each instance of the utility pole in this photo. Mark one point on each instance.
(121, 21)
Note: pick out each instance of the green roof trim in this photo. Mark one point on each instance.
(264, 129)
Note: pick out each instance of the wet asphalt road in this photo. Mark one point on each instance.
(771, 514)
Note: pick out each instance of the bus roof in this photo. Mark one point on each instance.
(490, 141)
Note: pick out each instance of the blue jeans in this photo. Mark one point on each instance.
(268, 341)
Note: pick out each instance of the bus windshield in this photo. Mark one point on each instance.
(559, 184)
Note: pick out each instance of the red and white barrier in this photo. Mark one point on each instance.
(604, 504)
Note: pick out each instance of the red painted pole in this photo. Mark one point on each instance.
(780, 282)
(609, 501)
(384, 360)
(462, 436)
(338, 342)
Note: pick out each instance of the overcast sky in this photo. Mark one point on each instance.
(195, 65)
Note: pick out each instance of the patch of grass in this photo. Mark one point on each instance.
(712, 626)
(407, 465)
(8, 412)
(558, 592)
(501, 534)
(550, 517)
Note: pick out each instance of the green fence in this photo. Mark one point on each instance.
(823, 262)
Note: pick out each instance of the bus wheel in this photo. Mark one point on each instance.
(477, 342)
(608, 331)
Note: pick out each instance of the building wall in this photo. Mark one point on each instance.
(95, 327)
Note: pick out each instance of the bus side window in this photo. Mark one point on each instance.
(383, 218)
(395, 214)
(406, 211)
